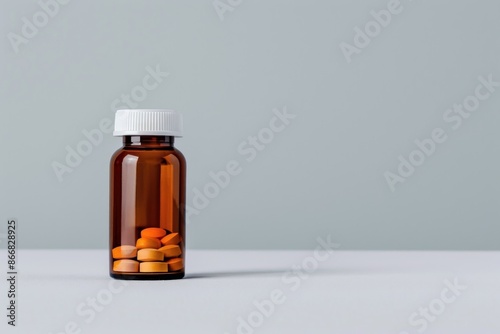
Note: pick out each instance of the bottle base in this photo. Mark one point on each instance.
(147, 276)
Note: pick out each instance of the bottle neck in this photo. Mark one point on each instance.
(148, 141)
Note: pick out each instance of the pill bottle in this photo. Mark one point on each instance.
(147, 197)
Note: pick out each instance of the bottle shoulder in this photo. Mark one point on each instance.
(147, 155)
(179, 155)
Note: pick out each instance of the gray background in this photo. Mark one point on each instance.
(324, 174)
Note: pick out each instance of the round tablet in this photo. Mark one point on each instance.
(148, 243)
(171, 250)
(149, 254)
(126, 266)
(153, 267)
(175, 264)
(171, 239)
(124, 252)
(153, 232)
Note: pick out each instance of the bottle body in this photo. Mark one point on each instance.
(147, 209)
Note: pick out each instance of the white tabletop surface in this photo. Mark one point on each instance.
(350, 292)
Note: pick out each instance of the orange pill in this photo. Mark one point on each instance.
(126, 266)
(171, 239)
(154, 267)
(124, 252)
(153, 232)
(175, 264)
(148, 243)
(171, 250)
(149, 254)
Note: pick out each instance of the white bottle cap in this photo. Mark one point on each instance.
(148, 122)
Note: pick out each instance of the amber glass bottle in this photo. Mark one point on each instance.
(147, 197)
